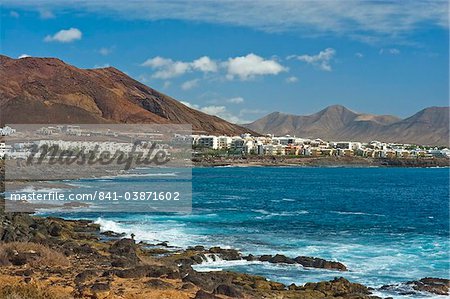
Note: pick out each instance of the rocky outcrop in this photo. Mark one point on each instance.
(314, 262)
(437, 286)
(305, 261)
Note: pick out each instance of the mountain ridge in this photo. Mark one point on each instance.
(47, 90)
(429, 126)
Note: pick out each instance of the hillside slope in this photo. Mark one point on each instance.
(47, 90)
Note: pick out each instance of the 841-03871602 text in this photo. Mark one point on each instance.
(97, 195)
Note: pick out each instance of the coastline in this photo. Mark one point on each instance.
(110, 265)
(247, 161)
(93, 263)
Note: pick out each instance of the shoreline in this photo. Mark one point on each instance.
(109, 264)
(323, 162)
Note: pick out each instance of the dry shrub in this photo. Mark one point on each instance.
(43, 256)
(25, 291)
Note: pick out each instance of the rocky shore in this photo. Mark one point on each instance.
(328, 161)
(56, 258)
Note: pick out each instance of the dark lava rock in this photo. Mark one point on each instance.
(26, 272)
(187, 286)
(85, 275)
(19, 259)
(55, 230)
(205, 295)
(198, 258)
(148, 271)
(112, 234)
(84, 249)
(159, 284)
(122, 262)
(338, 287)
(314, 262)
(196, 248)
(124, 247)
(206, 281)
(100, 287)
(250, 258)
(281, 259)
(265, 258)
(438, 286)
(226, 254)
(228, 290)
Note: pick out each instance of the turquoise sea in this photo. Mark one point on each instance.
(388, 225)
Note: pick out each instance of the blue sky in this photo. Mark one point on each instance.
(241, 60)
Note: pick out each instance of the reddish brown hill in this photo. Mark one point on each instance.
(47, 90)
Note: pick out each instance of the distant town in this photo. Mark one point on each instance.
(270, 145)
(248, 145)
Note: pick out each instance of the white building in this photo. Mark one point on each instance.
(7, 131)
(224, 142)
(211, 142)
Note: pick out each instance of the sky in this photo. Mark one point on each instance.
(241, 60)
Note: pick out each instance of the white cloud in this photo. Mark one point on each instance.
(204, 64)
(391, 51)
(321, 60)
(65, 36)
(189, 84)
(359, 55)
(167, 68)
(251, 65)
(167, 84)
(292, 79)
(243, 67)
(219, 111)
(235, 100)
(365, 20)
(24, 56)
(105, 51)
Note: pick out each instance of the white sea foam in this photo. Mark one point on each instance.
(31, 189)
(133, 175)
(151, 232)
(288, 199)
(357, 213)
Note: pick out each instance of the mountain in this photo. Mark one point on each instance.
(47, 90)
(428, 126)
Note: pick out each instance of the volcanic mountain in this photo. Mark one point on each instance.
(428, 126)
(47, 90)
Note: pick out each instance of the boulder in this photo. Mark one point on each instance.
(313, 262)
(250, 258)
(228, 290)
(338, 287)
(112, 234)
(201, 294)
(265, 257)
(159, 284)
(226, 254)
(438, 286)
(85, 275)
(148, 271)
(281, 259)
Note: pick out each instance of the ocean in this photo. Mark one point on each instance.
(387, 225)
